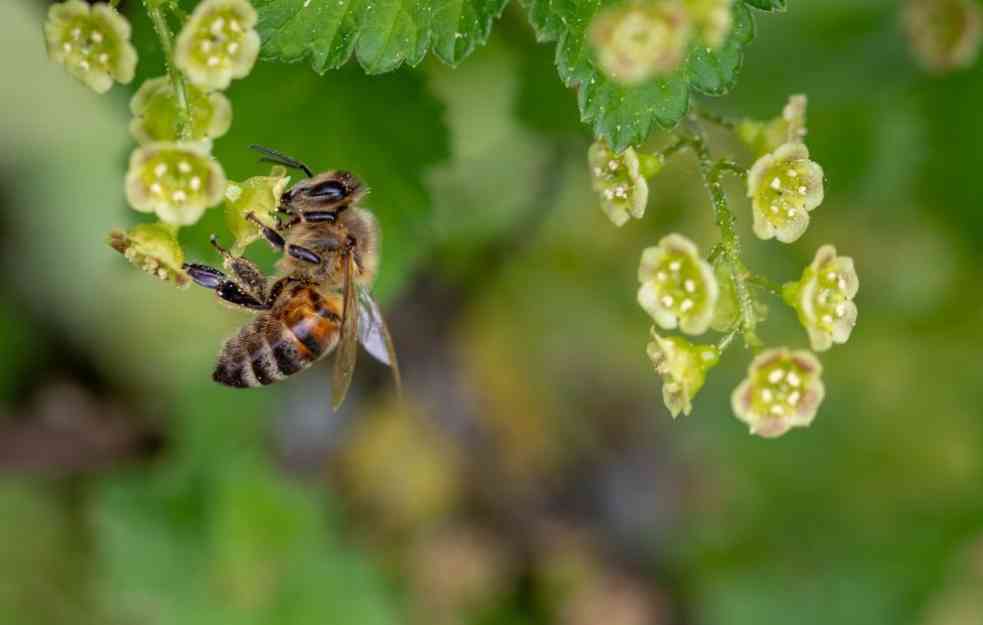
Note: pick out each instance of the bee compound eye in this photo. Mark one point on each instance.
(330, 190)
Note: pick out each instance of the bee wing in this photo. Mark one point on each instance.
(374, 334)
(344, 361)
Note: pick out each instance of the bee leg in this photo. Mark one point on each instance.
(232, 293)
(304, 254)
(271, 235)
(226, 289)
(245, 272)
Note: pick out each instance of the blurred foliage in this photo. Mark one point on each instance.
(536, 477)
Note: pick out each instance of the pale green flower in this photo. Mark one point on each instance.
(784, 186)
(259, 195)
(178, 181)
(945, 34)
(789, 127)
(783, 390)
(678, 287)
(618, 179)
(155, 112)
(218, 43)
(640, 40)
(824, 296)
(154, 249)
(712, 19)
(92, 42)
(683, 367)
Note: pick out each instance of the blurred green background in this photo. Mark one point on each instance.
(533, 475)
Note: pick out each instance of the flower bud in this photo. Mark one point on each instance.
(944, 34)
(178, 181)
(712, 19)
(678, 287)
(783, 390)
(218, 43)
(683, 367)
(823, 298)
(155, 112)
(154, 249)
(784, 186)
(640, 40)
(618, 179)
(259, 195)
(92, 42)
(790, 127)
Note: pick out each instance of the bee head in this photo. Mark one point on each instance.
(330, 191)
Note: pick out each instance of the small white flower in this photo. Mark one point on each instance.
(617, 179)
(784, 186)
(155, 112)
(218, 43)
(640, 40)
(824, 296)
(683, 367)
(768, 136)
(92, 42)
(154, 249)
(156, 182)
(259, 195)
(944, 34)
(783, 390)
(678, 287)
(713, 20)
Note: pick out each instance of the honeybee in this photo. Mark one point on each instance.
(320, 303)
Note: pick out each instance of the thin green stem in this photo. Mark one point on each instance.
(730, 243)
(679, 144)
(156, 13)
(725, 342)
(713, 118)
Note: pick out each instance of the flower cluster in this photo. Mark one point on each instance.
(644, 39)
(945, 35)
(783, 390)
(681, 290)
(175, 117)
(92, 42)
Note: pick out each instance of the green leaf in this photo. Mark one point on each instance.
(715, 72)
(627, 115)
(383, 34)
(769, 5)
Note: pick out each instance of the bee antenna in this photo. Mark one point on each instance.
(272, 156)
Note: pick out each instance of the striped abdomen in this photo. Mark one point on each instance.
(300, 329)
